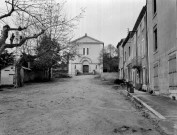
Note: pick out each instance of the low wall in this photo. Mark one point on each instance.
(29, 75)
(109, 76)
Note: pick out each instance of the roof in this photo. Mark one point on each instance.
(138, 21)
(7, 66)
(86, 36)
(142, 13)
(120, 42)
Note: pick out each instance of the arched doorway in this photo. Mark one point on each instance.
(85, 66)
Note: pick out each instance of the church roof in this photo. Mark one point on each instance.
(87, 39)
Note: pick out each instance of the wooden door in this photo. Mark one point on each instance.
(85, 68)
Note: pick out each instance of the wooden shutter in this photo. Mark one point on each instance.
(172, 72)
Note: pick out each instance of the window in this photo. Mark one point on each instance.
(125, 56)
(134, 38)
(138, 31)
(96, 67)
(155, 39)
(143, 48)
(139, 50)
(156, 84)
(140, 26)
(129, 51)
(154, 6)
(144, 75)
(122, 72)
(172, 72)
(83, 51)
(87, 51)
(143, 22)
(75, 66)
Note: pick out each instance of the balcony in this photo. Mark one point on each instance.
(137, 62)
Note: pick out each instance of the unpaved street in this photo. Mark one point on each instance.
(82, 105)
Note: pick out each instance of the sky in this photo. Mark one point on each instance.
(105, 20)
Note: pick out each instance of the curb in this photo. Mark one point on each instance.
(139, 101)
(160, 127)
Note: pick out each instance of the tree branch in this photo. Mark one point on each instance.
(18, 29)
(4, 46)
(24, 40)
(10, 12)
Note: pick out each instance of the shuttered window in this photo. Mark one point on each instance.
(172, 72)
(156, 77)
(155, 38)
(83, 51)
(143, 48)
(154, 6)
(87, 51)
(144, 75)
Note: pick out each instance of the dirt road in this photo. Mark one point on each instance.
(82, 105)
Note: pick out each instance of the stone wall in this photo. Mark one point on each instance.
(109, 76)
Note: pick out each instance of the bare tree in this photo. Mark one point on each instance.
(15, 8)
(32, 19)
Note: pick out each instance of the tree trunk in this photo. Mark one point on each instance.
(0, 77)
(49, 78)
(19, 81)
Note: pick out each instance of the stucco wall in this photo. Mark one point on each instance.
(165, 20)
(95, 47)
(94, 52)
(7, 75)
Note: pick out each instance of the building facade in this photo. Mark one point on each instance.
(135, 53)
(152, 66)
(127, 58)
(140, 57)
(162, 35)
(120, 61)
(88, 56)
(8, 75)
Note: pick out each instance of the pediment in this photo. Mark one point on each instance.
(87, 39)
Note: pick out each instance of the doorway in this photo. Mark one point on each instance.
(85, 68)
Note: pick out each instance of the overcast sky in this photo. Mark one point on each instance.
(106, 20)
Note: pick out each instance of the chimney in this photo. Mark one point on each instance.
(85, 34)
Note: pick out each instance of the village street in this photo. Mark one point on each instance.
(82, 105)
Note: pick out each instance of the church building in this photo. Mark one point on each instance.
(87, 60)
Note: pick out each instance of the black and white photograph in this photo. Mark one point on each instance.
(88, 67)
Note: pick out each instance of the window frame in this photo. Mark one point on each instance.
(154, 7)
(172, 71)
(125, 56)
(83, 51)
(156, 75)
(155, 38)
(87, 51)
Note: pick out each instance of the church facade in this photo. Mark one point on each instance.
(87, 60)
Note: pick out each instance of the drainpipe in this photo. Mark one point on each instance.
(147, 52)
(123, 63)
(136, 55)
(118, 61)
(103, 59)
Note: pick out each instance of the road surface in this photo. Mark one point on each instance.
(83, 105)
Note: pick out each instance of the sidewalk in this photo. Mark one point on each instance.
(163, 107)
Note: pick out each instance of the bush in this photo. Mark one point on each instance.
(119, 81)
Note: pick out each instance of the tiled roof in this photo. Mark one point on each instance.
(138, 21)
